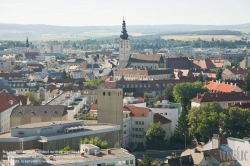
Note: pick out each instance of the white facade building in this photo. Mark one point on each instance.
(240, 148)
(5, 64)
(53, 48)
(76, 74)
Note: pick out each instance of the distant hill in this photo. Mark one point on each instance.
(37, 30)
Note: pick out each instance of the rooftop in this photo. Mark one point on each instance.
(59, 159)
(39, 111)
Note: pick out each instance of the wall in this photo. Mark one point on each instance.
(5, 119)
(170, 113)
(146, 120)
(110, 107)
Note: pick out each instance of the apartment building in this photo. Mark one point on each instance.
(141, 118)
(90, 92)
(5, 64)
(224, 99)
(74, 102)
(133, 74)
(54, 48)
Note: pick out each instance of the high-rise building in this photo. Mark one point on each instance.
(124, 48)
(110, 107)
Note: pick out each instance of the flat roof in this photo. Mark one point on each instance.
(88, 128)
(58, 159)
(45, 124)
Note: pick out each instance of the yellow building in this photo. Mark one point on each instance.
(110, 107)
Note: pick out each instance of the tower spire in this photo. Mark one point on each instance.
(124, 34)
(27, 44)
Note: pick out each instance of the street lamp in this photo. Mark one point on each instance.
(185, 140)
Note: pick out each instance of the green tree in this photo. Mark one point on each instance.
(95, 141)
(70, 84)
(94, 82)
(206, 120)
(157, 98)
(246, 83)
(146, 160)
(155, 131)
(66, 149)
(33, 99)
(183, 93)
(190, 57)
(16, 67)
(18, 56)
(122, 78)
(64, 75)
(237, 123)
(168, 93)
(218, 74)
(200, 77)
(155, 137)
(234, 63)
(145, 97)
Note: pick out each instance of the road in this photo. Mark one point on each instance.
(161, 155)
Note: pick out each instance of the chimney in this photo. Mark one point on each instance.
(198, 95)
(109, 151)
(247, 93)
(215, 141)
(231, 84)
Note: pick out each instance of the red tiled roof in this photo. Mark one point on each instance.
(137, 111)
(238, 71)
(7, 75)
(5, 101)
(159, 118)
(22, 98)
(220, 87)
(94, 107)
(204, 64)
(36, 65)
(218, 62)
(178, 62)
(211, 97)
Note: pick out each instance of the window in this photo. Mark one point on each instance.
(20, 132)
(136, 122)
(136, 85)
(142, 123)
(132, 85)
(127, 85)
(166, 113)
(149, 85)
(140, 85)
(131, 161)
(127, 162)
(109, 94)
(103, 93)
(136, 129)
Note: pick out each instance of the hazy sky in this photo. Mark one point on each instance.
(136, 12)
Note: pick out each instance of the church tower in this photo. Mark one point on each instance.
(124, 48)
(27, 45)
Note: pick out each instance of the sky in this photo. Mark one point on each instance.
(135, 12)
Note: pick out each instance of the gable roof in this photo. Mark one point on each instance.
(94, 107)
(39, 111)
(159, 118)
(178, 62)
(238, 70)
(5, 101)
(204, 64)
(220, 87)
(216, 154)
(147, 58)
(211, 97)
(137, 111)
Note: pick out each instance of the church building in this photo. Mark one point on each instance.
(136, 61)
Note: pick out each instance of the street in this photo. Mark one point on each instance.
(161, 155)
